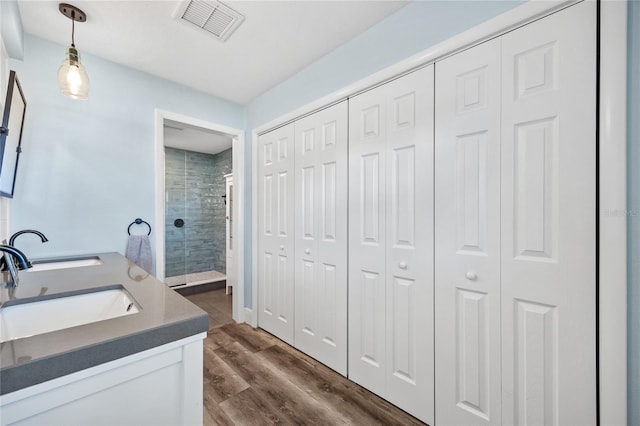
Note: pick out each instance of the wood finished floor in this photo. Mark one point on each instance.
(252, 378)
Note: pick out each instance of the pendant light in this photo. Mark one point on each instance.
(72, 76)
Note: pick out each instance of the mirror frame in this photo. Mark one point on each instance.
(14, 84)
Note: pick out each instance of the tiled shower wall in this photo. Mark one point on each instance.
(194, 185)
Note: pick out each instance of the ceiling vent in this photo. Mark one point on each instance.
(212, 16)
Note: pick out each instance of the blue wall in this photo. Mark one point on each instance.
(412, 29)
(633, 200)
(11, 28)
(87, 169)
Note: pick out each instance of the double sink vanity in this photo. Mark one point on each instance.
(97, 340)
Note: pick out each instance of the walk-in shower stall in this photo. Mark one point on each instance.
(195, 216)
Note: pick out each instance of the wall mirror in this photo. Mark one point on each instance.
(11, 135)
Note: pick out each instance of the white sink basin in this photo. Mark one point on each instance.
(64, 264)
(42, 316)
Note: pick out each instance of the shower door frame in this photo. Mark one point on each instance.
(237, 272)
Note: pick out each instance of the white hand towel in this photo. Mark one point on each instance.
(139, 251)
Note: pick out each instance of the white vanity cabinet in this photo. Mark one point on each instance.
(144, 368)
(159, 386)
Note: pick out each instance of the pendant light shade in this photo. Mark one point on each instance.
(72, 75)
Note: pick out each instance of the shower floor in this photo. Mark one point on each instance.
(195, 279)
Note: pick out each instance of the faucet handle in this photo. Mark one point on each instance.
(11, 268)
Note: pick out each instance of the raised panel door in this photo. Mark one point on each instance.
(467, 229)
(276, 232)
(548, 220)
(367, 240)
(321, 236)
(391, 242)
(409, 243)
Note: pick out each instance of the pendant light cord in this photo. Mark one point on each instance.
(73, 28)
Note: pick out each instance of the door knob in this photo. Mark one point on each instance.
(281, 248)
(307, 251)
(402, 265)
(471, 276)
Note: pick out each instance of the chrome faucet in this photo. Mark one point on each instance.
(21, 261)
(27, 231)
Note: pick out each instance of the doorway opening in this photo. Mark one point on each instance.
(197, 200)
(197, 162)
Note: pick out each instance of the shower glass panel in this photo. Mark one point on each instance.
(195, 216)
(175, 208)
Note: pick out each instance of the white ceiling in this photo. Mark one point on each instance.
(276, 40)
(192, 138)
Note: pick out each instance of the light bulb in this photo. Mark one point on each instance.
(73, 79)
(72, 76)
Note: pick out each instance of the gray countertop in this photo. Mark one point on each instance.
(164, 317)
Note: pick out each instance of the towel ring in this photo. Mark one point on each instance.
(138, 221)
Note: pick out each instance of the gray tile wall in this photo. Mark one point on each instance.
(194, 184)
(174, 181)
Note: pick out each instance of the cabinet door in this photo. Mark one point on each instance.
(467, 283)
(276, 232)
(391, 242)
(321, 236)
(548, 220)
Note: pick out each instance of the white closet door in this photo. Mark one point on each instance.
(410, 357)
(548, 220)
(276, 232)
(321, 236)
(367, 239)
(467, 283)
(391, 242)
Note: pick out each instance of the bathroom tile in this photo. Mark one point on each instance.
(194, 185)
